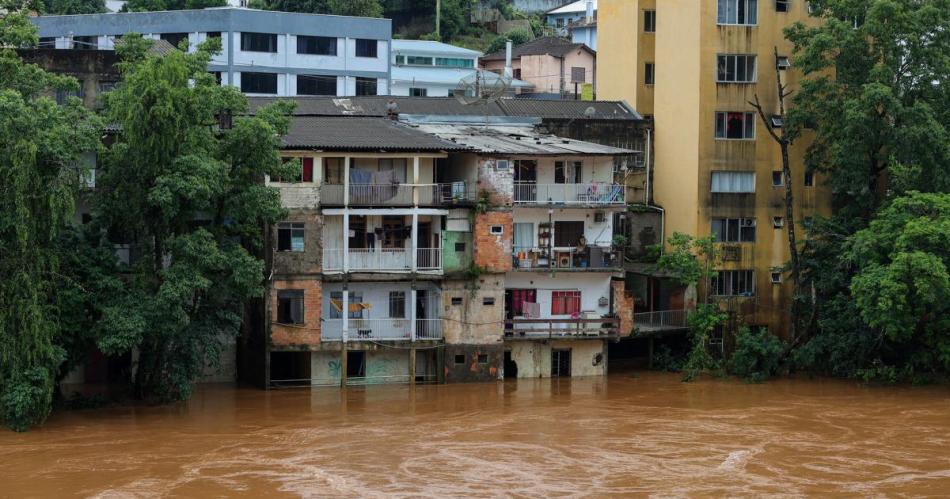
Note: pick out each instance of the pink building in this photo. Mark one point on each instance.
(553, 65)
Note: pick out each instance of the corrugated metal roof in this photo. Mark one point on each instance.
(450, 106)
(572, 8)
(515, 140)
(431, 47)
(361, 134)
(546, 45)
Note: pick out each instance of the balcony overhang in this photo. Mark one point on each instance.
(385, 211)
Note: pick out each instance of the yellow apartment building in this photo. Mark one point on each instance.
(694, 66)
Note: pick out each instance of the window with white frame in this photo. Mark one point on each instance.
(735, 68)
(743, 12)
(397, 304)
(733, 182)
(733, 283)
(336, 300)
(782, 5)
(734, 230)
(290, 236)
(735, 125)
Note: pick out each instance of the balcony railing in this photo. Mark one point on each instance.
(591, 194)
(381, 329)
(397, 194)
(383, 259)
(562, 328)
(592, 258)
(662, 320)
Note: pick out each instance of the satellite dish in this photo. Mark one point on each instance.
(590, 112)
(482, 87)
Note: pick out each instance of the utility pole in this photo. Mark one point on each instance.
(438, 18)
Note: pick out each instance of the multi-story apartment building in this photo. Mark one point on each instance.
(263, 52)
(695, 66)
(423, 68)
(441, 248)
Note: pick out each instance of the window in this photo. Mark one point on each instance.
(86, 42)
(737, 12)
(565, 302)
(217, 76)
(174, 38)
(578, 74)
(649, 74)
(213, 34)
(459, 359)
(776, 277)
(336, 305)
(456, 300)
(782, 5)
(734, 283)
(516, 73)
(649, 21)
(418, 92)
(809, 179)
(568, 172)
(316, 85)
(395, 231)
(567, 234)
(778, 179)
(453, 62)
(734, 230)
(782, 62)
(397, 304)
(489, 301)
(397, 165)
(733, 182)
(735, 68)
(290, 236)
(777, 121)
(416, 60)
(366, 48)
(290, 307)
(365, 86)
(333, 171)
(316, 45)
(63, 95)
(737, 126)
(259, 83)
(497, 230)
(483, 358)
(778, 222)
(459, 247)
(259, 42)
(306, 171)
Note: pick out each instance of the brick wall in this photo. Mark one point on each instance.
(499, 184)
(623, 306)
(493, 251)
(307, 334)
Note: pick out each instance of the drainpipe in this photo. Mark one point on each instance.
(646, 160)
(508, 71)
(590, 11)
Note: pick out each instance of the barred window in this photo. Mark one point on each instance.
(734, 283)
(737, 126)
(565, 302)
(732, 68)
(397, 304)
(734, 230)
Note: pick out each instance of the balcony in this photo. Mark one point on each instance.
(590, 194)
(661, 320)
(381, 330)
(446, 194)
(604, 327)
(590, 259)
(383, 260)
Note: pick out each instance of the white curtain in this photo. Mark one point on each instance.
(524, 235)
(733, 182)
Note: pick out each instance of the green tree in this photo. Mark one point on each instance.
(361, 8)
(41, 147)
(153, 5)
(517, 37)
(189, 199)
(690, 261)
(308, 6)
(757, 356)
(68, 7)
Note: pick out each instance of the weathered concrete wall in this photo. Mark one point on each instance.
(493, 251)
(452, 259)
(300, 262)
(325, 368)
(473, 322)
(623, 305)
(307, 334)
(468, 363)
(533, 358)
(90, 67)
(498, 183)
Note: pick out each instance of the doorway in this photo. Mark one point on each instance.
(511, 367)
(561, 363)
(355, 364)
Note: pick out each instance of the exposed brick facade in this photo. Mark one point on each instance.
(499, 184)
(304, 335)
(623, 306)
(493, 251)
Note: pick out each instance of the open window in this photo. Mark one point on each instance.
(290, 307)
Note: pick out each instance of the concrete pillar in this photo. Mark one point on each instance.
(412, 365)
(346, 313)
(346, 181)
(343, 366)
(414, 244)
(412, 313)
(415, 181)
(346, 240)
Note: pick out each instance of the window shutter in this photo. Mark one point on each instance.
(307, 169)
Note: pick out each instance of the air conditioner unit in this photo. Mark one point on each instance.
(747, 222)
(599, 217)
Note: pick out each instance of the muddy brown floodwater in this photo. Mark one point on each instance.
(622, 435)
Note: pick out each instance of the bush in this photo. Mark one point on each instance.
(665, 359)
(757, 356)
(27, 398)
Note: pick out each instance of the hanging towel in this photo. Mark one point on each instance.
(358, 176)
(531, 310)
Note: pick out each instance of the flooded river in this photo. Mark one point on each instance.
(622, 435)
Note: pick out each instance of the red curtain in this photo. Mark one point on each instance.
(565, 302)
(519, 297)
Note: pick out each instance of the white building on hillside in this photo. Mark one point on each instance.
(422, 68)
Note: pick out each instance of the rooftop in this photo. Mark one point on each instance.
(450, 106)
(361, 134)
(429, 47)
(514, 139)
(580, 6)
(546, 45)
(447, 76)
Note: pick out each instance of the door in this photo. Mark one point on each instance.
(560, 363)
(511, 367)
(422, 310)
(526, 180)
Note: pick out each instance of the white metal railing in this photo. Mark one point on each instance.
(381, 329)
(595, 193)
(593, 258)
(383, 259)
(662, 319)
(396, 194)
